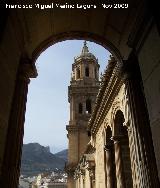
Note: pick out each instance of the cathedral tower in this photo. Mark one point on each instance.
(82, 93)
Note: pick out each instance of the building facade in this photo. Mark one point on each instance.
(114, 155)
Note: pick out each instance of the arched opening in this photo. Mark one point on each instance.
(60, 71)
(80, 108)
(28, 33)
(94, 38)
(88, 106)
(118, 122)
(78, 73)
(122, 150)
(87, 71)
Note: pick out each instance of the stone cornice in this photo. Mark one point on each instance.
(71, 128)
(82, 90)
(110, 87)
(77, 88)
(78, 60)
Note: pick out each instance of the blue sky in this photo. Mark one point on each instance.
(47, 112)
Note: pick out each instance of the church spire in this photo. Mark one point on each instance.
(85, 48)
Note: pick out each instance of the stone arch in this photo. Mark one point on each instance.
(118, 123)
(127, 32)
(77, 35)
(31, 56)
(115, 108)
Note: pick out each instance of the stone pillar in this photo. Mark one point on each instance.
(140, 123)
(9, 177)
(109, 165)
(92, 176)
(119, 162)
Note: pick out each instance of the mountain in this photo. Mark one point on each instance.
(62, 154)
(37, 159)
(56, 149)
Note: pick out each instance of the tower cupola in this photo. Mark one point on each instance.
(85, 66)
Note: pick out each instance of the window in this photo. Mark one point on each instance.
(88, 106)
(80, 108)
(78, 73)
(87, 71)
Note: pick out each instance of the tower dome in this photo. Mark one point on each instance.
(85, 67)
(85, 54)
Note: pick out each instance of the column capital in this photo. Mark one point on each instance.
(92, 172)
(108, 145)
(27, 69)
(117, 138)
(130, 68)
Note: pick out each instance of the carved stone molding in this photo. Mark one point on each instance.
(110, 87)
(27, 69)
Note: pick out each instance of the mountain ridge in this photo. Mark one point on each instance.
(37, 159)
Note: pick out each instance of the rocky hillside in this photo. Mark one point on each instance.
(62, 154)
(37, 159)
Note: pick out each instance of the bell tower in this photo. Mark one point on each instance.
(82, 93)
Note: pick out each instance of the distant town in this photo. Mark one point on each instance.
(56, 179)
(42, 169)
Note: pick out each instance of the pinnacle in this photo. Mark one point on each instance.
(85, 48)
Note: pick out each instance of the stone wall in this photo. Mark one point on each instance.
(149, 60)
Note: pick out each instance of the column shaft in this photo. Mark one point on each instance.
(119, 164)
(109, 167)
(14, 141)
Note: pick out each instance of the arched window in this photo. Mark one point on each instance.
(121, 129)
(96, 74)
(119, 120)
(80, 108)
(88, 106)
(78, 73)
(87, 71)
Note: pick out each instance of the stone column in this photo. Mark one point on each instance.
(130, 72)
(119, 162)
(9, 177)
(109, 165)
(91, 170)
